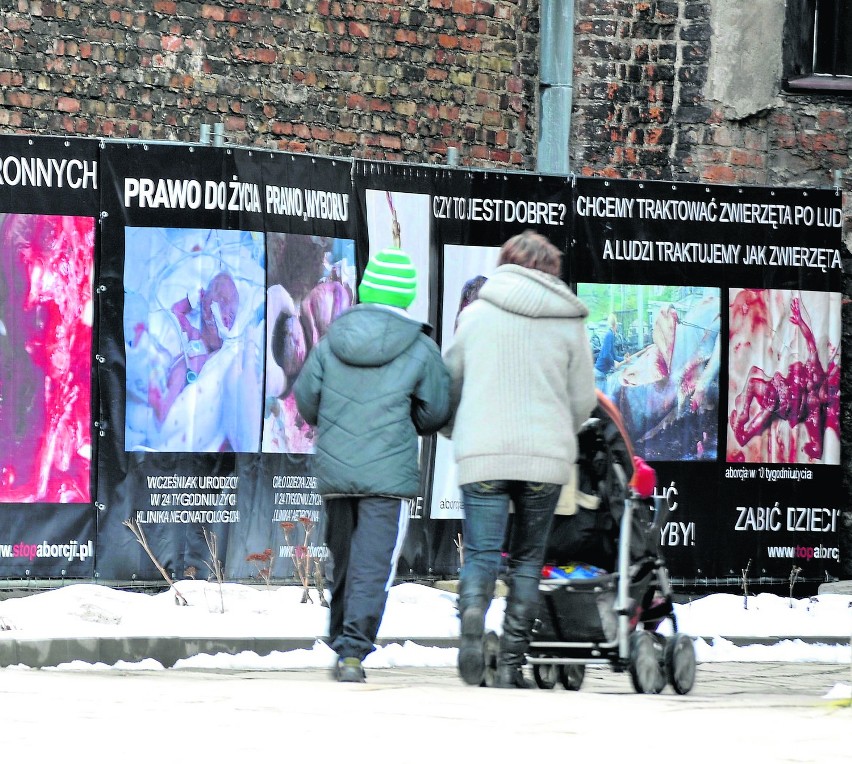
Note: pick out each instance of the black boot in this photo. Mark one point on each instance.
(471, 659)
(472, 609)
(511, 677)
(517, 630)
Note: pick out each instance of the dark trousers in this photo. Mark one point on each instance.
(364, 536)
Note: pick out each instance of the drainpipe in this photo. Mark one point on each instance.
(556, 84)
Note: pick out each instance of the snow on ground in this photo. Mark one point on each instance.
(414, 611)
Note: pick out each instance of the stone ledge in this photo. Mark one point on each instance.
(836, 587)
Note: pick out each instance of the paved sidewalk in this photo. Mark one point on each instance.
(737, 712)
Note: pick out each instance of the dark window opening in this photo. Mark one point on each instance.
(833, 38)
(818, 46)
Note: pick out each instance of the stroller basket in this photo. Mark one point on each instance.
(581, 610)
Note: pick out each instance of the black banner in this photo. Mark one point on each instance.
(311, 278)
(715, 319)
(452, 222)
(48, 211)
(220, 269)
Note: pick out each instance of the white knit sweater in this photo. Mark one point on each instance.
(523, 381)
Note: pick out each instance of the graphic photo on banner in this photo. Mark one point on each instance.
(657, 354)
(466, 269)
(311, 282)
(402, 221)
(45, 358)
(194, 333)
(784, 377)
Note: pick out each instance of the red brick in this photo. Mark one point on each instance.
(171, 43)
(390, 142)
(464, 6)
(235, 124)
(718, 174)
(214, 12)
(22, 100)
(70, 105)
(346, 137)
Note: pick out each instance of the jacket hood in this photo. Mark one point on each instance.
(371, 335)
(530, 292)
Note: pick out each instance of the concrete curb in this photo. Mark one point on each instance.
(43, 653)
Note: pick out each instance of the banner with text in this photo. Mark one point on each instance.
(715, 324)
(452, 222)
(148, 359)
(216, 268)
(48, 208)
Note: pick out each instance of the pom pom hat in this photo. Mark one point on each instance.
(389, 279)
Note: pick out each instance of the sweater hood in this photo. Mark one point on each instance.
(371, 335)
(532, 293)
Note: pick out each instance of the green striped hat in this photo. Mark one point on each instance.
(389, 279)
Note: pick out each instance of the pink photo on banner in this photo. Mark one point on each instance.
(46, 357)
(784, 377)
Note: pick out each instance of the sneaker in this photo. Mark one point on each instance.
(350, 670)
(471, 660)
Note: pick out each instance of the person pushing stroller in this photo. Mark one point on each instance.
(522, 387)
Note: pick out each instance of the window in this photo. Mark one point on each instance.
(818, 46)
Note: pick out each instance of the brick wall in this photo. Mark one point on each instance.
(387, 80)
(642, 111)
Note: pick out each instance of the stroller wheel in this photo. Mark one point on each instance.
(646, 671)
(571, 675)
(490, 651)
(545, 675)
(680, 663)
(660, 648)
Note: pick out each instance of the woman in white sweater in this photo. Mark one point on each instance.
(523, 384)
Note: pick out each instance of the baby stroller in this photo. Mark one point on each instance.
(588, 615)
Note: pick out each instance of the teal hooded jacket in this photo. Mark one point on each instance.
(371, 385)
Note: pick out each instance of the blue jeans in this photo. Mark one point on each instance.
(486, 516)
